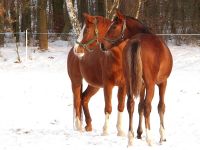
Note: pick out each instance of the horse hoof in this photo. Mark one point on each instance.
(139, 137)
(88, 128)
(130, 143)
(162, 140)
(149, 142)
(105, 133)
(121, 133)
(130, 138)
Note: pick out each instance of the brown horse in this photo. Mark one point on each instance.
(99, 69)
(147, 62)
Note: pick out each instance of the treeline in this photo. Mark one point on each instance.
(41, 18)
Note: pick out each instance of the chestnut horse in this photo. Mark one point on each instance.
(147, 62)
(99, 69)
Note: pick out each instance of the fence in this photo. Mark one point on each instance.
(31, 38)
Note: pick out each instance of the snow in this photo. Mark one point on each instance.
(36, 104)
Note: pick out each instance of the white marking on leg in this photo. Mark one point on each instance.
(106, 124)
(162, 134)
(78, 124)
(80, 38)
(130, 138)
(148, 137)
(119, 124)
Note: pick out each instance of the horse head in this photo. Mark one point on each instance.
(91, 35)
(116, 31)
(121, 28)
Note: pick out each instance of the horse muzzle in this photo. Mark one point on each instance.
(79, 52)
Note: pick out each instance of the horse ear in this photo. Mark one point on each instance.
(88, 18)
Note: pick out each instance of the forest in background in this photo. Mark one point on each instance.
(50, 19)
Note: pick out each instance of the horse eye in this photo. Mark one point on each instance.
(114, 27)
(115, 19)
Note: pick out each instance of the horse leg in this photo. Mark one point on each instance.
(108, 106)
(161, 110)
(130, 108)
(141, 112)
(147, 111)
(77, 89)
(87, 94)
(121, 99)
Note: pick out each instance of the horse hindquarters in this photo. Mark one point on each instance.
(132, 69)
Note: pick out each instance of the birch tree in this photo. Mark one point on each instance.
(138, 10)
(111, 12)
(73, 17)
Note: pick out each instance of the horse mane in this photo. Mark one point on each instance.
(145, 28)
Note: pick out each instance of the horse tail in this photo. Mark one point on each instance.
(134, 67)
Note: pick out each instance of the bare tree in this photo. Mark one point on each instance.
(138, 9)
(111, 12)
(73, 17)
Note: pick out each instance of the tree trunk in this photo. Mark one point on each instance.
(127, 7)
(101, 8)
(42, 20)
(14, 12)
(58, 16)
(2, 12)
(83, 8)
(68, 25)
(73, 18)
(26, 18)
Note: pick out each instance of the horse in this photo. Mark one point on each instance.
(147, 61)
(99, 69)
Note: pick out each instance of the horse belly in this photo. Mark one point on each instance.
(92, 76)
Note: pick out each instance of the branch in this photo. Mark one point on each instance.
(138, 10)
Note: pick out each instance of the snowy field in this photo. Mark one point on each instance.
(36, 104)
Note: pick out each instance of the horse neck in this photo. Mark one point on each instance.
(134, 27)
(120, 46)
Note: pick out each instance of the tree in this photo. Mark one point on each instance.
(14, 12)
(83, 8)
(73, 17)
(58, 16)
(42, 22)
(127, 7)
(111, 7)
(101, 8)
(26, 17)
(2, 12)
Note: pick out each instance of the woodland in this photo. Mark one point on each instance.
(45, 20)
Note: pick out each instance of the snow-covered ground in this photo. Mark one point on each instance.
(36, 110)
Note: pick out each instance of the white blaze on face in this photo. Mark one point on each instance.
(80, 38)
